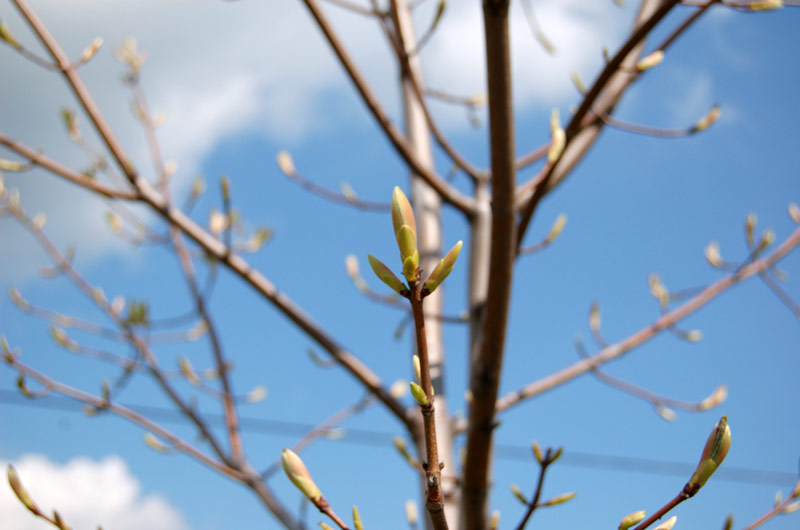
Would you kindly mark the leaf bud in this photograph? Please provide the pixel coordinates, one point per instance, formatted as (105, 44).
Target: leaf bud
(717, 446)
(558, 138)
(794, 212)
(357, 524)
(296, 471)
(515, 491)
(256, 395)
(666, 413)
(668, 524)
(632, 519)
(765, 5)
(713, 255)
(651, 60)
(419, 394)
(557, 228)
(537, 451)
(151, 440)
(494, 522)
(325, 526)
(577, 81)
(708, 120)
(443, 268)
(19, 490)
(385, 275)
(91, 49)
(412, 514)
(402, 214)
(719, 395)
(560, 499)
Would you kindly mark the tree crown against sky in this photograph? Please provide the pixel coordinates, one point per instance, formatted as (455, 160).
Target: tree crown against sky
(636, 205)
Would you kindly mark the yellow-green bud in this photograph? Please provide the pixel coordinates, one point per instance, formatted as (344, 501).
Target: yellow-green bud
(417, 368)
(557, 228)
(19, 490)
(708, 120)
(188, 371)
(651, 60)
(419, 394)
(325, 526)
(518, 494)
(386, 275)
(794, 212)
(357, 524)
(443, 268)
(285, 163)
(578, 82)
(632, 519)
(765, 5)
(494, 523)
(537, 451)
(410, 266)
(717, 446)
(791, 507)
(728, 523)
(296, 471)
(402, 214)
(151, 440)
(559, 499)
(558, 138)
(594, 317)
(256, 395)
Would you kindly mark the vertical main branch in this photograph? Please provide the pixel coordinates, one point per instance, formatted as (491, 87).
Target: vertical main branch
(434, 499)
(427, 205)
(485, 368)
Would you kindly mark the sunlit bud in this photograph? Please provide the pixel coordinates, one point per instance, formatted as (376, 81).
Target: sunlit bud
(59, 522)
(60, 336)
(767, 238)
(325, 526)
(750, 226)
(256, 395)
(11, 165)
(468, 396)
(419, 394)
(792, 507)
(296, 471)
(6, 35)
(557, 228)
(217, 222)
(717, 445)
(357, 524)
(401, 447)
(188, 371)
(594, 317)
(23, 387)
(352, 268)
(410, 266)
(649, 61)
(559, 499)
(8, 355)
(632, 519)
(537, 451)
(668, 524)
(518, 494)
(197, 331)
(399, 389)
(114, 222)
(336, 433)
(778, 497)
(719, 395)
(477, 100)
(765, 5)
(257, 240)
(385, 275)
(794, 212)
(402, 214)
(708, 120)
(494, 522)
(348, 192)
(91, 49)
(578, 82)
(154, 443)
(158, 120)
(19, 490)
(407, 242)
(657, 289)
(443, 268)
(666, 413)
(16, 297)
(412, 514)
(286, 163)
(118, 305)
(694, 335)
(713, 255)
(558, 138)
(417, 369)
(555, 456)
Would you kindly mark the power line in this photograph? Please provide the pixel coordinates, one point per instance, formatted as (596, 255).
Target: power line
(383, 439)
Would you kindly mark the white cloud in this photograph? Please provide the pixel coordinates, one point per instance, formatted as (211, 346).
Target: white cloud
(223, 68)
(86, 493)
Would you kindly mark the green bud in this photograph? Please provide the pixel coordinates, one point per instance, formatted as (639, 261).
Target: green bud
(518, 494)
(537, 451)
(494, 523)
(443, 268)
(558, 137)
(406, 241)
(668, 524)
(188, 371)
(325, 526)
(717, 445)
(559, 499)
(419, 394)
(410, 266)
(765, 5)
(654, 59)
(557, 228)
(20, 491)
(708, 120)
(357, 524)
(296, 471)
(385, 275)
(402, 214)
(151, 440)
(578, 82)
(632, 519)
(728, 524)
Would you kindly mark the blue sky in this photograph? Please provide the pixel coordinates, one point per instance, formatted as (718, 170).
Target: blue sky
(241, 81)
